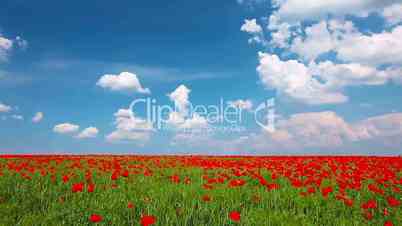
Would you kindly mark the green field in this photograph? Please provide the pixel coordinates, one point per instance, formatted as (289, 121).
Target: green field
(195, 191)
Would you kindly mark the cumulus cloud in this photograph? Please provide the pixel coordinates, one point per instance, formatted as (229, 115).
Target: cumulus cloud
(66, 128)
(90, 132)
(379, 48)
(306, 131)
(293, 79)
(187, 128)
(251, 26)
(343, 38)
(324, 51)
(295, 10)
(4, 108)
(180, 118)
(180, 97)
(241, 104)
(130, 128)
(280, 32)
(37, 117)
(389, 125)
(393, 14)
(125, 81)
(318, 40)
(320, 83)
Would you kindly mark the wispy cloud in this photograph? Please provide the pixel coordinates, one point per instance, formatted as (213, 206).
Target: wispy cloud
(150, 73)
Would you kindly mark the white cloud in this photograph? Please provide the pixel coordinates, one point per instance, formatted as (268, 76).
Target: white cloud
(195, 122)
(336, 76)
(37, 117)
(5, 48)
(305, 131)
(389, 125)
(318, 40)
(241, 104)
(89, 132)
(280, 32)
(296, 10)
(4, 108)
(321, 83)
(130, 128)
(251, 26)
(340, 36)
(17, 117)
(380, 48)
(293, 79)
(317, 129)
(125, 81)
(393, 14)
(66, 128)
(180, 118)
(180, 98)
(187, 128)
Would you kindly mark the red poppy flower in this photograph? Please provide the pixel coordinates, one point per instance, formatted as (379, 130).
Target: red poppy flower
(388, 223)
(78, 187)
(95, 218)
(237, 183)
(234, 216)
(114, 176)
(125, 173)
(147, 220)
(175, 179)
(91, 188)
(325, 191)
(130, 205)
(393, 202)
(65, 179)
(371, 204)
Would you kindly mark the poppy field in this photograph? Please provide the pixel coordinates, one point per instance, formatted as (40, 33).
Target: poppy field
(200, 190)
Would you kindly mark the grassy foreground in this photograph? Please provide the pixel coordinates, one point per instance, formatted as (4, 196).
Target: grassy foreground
(199, 191)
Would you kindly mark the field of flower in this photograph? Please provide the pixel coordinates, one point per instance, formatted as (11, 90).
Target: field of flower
(200, 190)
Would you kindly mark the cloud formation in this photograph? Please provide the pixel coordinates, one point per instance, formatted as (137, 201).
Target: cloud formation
(90, 132)
(295, 10)
(251, 26)
(323, 56)
(4, 108)
(325, 130)
(125, 81)
(130, 128)
(66, 128)
(241, 104)
(180, 118)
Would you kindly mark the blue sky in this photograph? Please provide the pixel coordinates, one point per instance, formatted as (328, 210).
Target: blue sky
(61, 50)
